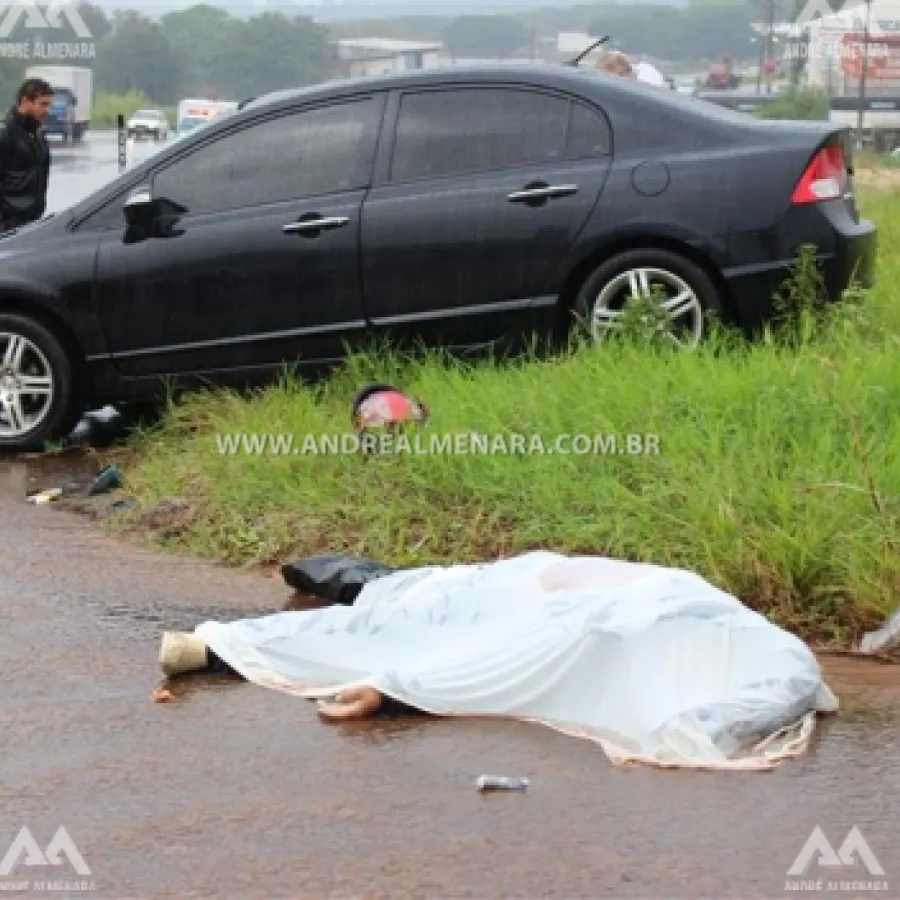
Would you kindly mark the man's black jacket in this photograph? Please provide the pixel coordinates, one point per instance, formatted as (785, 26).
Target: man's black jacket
(24, 170)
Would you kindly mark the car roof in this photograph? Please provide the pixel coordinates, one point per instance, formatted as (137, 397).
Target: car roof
(546, 74)
(589, 83)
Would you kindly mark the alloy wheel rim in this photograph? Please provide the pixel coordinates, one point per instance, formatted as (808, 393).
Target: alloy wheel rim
(674, 296)
(26, 385)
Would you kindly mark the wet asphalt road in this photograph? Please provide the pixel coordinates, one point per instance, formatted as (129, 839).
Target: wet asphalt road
(235, 791)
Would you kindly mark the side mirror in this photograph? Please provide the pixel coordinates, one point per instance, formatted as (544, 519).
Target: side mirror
(139, 208)
(74, 99)
(148, 216)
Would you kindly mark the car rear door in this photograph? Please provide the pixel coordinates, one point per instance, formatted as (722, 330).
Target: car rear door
(479, 192)
(262, 268)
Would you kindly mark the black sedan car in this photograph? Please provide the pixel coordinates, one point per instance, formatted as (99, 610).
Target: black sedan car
(454, 206)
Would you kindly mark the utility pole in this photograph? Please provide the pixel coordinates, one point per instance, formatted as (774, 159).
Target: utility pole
(862, 74)
(799, 46)
(764, 48)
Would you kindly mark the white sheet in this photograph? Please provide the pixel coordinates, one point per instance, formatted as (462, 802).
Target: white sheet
(655, 664)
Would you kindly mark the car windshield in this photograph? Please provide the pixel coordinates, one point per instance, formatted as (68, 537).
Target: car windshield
(146, 114)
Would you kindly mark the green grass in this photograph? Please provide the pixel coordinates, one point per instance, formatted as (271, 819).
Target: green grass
(777, 477)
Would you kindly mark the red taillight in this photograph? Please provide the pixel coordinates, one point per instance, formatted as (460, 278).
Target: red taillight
(824, 179)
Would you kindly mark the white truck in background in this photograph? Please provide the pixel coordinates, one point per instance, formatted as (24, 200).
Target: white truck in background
(73, 99)
(197, 112)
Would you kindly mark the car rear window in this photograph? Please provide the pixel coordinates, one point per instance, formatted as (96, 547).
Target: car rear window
(588, 135)
(464, 130)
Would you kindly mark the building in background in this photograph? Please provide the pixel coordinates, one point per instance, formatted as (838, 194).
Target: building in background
(836, 49)
(358, 57)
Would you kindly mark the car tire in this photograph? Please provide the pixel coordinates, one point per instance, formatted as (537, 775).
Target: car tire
(606, 290)
(43, 355)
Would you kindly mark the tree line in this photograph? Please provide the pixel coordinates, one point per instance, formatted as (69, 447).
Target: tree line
(203, 51)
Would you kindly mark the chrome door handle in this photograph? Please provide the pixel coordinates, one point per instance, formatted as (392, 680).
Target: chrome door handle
(309, 226)
(543, 193)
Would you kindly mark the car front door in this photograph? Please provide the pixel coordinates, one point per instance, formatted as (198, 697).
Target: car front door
(262, 266)
(475, 204)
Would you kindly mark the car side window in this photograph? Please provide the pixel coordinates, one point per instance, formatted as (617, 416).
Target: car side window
(110, 217)
(466, 130)
(301, 154)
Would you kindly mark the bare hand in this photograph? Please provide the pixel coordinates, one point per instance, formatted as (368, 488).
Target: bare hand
(354, 703)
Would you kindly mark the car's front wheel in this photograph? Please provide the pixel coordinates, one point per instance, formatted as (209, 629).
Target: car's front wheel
(37, 391)
(682, 292)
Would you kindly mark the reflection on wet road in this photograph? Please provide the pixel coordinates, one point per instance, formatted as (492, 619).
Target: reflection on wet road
(77, 170)
(235, 791)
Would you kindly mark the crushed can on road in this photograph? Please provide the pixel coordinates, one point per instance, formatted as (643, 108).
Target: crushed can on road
(502, 783)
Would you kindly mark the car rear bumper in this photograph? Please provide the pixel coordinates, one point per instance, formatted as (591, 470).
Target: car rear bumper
(845, 247)
(142, 131)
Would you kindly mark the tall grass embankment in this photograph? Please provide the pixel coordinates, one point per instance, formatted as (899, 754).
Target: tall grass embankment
(777, 476)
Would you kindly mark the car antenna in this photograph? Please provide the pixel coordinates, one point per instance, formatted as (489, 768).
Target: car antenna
(574, 63)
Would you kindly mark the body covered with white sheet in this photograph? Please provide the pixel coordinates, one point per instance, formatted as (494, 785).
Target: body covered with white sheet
(656, 664)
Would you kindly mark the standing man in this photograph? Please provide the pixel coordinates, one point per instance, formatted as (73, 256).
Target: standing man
(25, 156)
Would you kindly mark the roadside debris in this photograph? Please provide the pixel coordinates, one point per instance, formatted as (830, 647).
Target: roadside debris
(383, 405)
(654, 664)
(162, 695)
(882, 639)
(125, 503)
(333, 577)
(98, 427)
(501, 783)
(108, 479)
(39, 497)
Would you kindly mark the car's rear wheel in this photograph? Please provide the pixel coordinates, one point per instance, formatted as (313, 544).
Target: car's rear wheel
(37, 393)
(682, 290)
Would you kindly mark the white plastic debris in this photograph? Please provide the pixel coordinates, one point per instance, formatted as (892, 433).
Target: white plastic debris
(656, 665)
(45, 496)
(882, 639)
